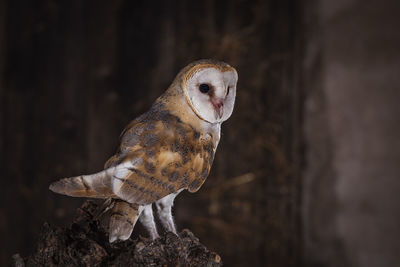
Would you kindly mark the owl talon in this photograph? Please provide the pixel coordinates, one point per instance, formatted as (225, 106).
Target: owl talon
(154, 236)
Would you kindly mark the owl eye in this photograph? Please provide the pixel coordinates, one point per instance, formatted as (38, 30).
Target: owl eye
(204, 88)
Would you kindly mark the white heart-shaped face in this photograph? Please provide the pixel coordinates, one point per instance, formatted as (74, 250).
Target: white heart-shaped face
(211, 93)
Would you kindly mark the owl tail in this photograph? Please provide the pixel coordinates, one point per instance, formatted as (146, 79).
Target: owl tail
(122, 220)
(96, 185)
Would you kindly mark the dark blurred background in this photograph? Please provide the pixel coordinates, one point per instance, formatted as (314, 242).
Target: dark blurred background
(308, 169)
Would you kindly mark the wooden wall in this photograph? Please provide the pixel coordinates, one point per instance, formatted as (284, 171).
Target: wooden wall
(73, 73)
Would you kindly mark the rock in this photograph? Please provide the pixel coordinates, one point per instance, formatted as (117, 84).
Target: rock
(85, 243)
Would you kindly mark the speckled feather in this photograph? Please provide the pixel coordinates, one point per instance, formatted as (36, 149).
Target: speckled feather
(167, 155)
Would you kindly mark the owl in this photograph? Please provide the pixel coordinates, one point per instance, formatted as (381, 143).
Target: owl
(168, 149)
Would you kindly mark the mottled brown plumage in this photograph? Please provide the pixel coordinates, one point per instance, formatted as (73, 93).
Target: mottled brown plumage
(168, 155)
(167, 149)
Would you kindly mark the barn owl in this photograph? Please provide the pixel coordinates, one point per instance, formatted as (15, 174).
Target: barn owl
(162, 152)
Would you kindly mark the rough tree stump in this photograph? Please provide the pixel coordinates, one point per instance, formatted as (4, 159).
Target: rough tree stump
(85, 243)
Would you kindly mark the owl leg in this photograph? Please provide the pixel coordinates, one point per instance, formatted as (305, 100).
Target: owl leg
(164, 211)
(147, 219)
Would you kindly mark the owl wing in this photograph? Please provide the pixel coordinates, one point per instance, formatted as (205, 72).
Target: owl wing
(157, 156)
(160, 157)
(126, 142)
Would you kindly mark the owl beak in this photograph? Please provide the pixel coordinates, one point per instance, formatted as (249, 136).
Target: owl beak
(218, 107)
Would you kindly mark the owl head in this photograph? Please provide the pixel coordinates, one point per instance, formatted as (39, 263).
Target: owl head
(209, 87)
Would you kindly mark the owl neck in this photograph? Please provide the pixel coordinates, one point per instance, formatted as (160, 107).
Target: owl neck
(175, 102)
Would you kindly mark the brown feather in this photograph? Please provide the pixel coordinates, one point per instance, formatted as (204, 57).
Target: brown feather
(122, 220)
(174, 156)
(95, 186)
